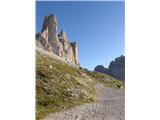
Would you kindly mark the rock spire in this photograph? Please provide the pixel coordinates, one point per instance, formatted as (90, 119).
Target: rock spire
(48, 39)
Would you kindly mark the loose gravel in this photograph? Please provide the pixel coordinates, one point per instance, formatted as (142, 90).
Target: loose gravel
(109, 106)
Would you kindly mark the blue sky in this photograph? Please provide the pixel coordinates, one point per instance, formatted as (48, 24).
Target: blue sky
(97, 27)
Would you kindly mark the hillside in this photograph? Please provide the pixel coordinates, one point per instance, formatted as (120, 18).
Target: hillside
(60, 86)
(109, 106)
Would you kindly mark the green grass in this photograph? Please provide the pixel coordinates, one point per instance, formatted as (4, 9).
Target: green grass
(59, 86)
(98, 75)
(112, 83)
(105, 79)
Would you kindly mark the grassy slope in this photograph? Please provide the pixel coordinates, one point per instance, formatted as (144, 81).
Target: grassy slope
(59, 86)
(106, 79)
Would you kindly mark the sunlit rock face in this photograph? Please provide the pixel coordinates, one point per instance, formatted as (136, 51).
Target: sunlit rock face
(58, 44)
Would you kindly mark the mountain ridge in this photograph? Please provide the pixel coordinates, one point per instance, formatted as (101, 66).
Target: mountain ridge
(116, 68)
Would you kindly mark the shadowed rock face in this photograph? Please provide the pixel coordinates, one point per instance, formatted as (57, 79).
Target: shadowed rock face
(75, 51)
(116, 68)
(101, 68)
(59, 44)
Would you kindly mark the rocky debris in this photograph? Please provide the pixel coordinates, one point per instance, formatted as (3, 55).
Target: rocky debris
(59, 44)
(109, 106)
(44, 53)
(50, 67)
(116, 68)
(83, 74)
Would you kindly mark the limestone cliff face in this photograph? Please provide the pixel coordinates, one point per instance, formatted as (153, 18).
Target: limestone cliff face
(75, 51)
(59, 44)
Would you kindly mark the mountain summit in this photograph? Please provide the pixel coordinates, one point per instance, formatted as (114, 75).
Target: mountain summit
(58, 44)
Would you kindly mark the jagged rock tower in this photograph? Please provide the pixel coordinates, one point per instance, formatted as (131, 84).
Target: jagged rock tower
(48, 40)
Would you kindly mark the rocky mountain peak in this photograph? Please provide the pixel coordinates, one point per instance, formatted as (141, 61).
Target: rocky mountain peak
(49, 22)
(62, 34)
(101, 68)
(75, 51)
(116, 68)
(58, 44)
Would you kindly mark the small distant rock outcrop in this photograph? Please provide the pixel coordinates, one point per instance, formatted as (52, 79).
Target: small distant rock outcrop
(101, 68)
(59, 44)
(116, 68)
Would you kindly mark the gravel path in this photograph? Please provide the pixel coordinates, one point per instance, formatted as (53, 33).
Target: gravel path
(109, 106)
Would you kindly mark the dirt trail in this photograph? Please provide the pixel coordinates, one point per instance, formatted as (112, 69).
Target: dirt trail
(109, 106)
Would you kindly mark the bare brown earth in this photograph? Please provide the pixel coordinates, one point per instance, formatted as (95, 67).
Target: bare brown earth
(109, 106)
